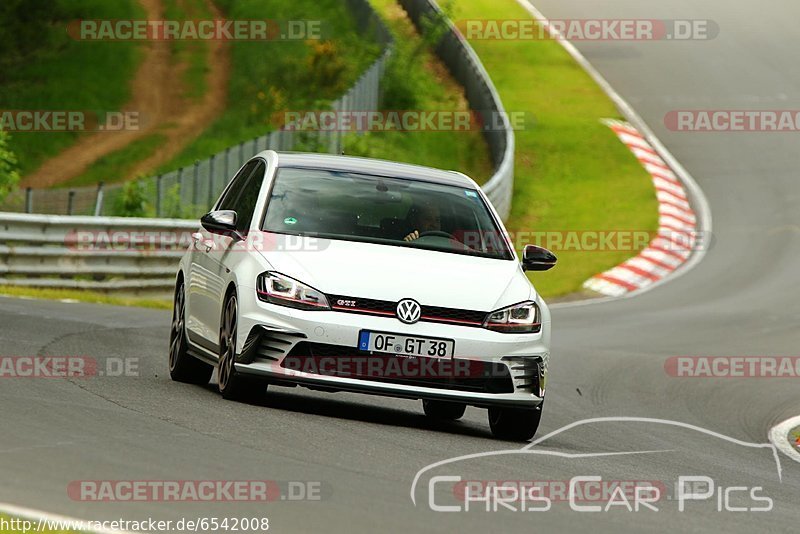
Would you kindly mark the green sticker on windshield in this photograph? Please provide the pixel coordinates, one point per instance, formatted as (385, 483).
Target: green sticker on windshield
(471, 194)
(290, 220)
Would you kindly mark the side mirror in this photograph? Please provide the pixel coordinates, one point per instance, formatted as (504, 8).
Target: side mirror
(222, 222)
(537, 258)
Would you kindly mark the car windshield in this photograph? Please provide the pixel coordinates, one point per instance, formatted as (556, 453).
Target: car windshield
(389, 211)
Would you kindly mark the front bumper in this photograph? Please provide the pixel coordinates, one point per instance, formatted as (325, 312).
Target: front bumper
(511, 368)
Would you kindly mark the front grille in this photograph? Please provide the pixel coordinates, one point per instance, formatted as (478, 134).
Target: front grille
(348, 362)
(433, 314)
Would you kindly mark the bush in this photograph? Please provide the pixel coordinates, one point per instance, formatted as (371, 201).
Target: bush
(9, 173)
(404, 81)
(133, 200)
(325, 69)
(172, 207)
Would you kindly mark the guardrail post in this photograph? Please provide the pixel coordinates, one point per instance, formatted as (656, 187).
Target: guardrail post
(227, 171)
(28, 200)
(180, 184)
(211, 179)
(70, 202)
(158, 194)
(98, 205)
(196, 180)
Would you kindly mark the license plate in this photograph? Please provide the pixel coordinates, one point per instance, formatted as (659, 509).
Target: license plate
(428, 347)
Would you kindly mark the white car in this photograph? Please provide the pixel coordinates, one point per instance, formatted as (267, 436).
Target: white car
(349, 274)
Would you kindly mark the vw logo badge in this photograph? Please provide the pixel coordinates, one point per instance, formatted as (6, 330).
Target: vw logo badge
(408, 311)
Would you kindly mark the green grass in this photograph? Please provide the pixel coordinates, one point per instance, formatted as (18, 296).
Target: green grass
(191, 56)
(268, 77)
(572, 173)
(420, 87)
(114, 166)
(81, 295)
(794, 437)
(190, 53)
(66, 74)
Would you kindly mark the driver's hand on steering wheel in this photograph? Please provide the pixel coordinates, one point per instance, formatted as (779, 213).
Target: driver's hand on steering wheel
(412, 236)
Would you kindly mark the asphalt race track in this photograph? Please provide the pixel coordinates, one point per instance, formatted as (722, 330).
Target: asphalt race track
(741, 300)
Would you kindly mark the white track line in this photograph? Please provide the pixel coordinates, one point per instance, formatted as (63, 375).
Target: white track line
(699, 200)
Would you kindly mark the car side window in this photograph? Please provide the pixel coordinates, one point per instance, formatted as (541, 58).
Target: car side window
(246, 203)
(228, 202)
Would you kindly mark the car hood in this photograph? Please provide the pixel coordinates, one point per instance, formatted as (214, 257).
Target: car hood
(387, 272)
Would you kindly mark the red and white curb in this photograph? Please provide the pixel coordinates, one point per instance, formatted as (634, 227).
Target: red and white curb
(677, 224)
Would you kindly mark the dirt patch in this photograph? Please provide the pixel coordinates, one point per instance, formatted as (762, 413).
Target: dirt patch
(159, 97)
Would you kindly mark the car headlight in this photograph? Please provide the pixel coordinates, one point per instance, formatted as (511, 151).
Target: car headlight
(279, 289)
(522, 317)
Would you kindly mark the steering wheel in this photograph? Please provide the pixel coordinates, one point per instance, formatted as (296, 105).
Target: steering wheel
(439, 233)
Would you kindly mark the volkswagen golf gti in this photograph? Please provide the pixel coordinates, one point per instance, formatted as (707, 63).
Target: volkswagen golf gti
(349, 274)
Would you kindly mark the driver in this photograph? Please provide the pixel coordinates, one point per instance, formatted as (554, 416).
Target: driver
(423, 218)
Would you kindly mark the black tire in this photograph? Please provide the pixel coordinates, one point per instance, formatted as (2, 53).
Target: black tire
(444, 410)
(232, 384)
(182, 366)
(515, 424)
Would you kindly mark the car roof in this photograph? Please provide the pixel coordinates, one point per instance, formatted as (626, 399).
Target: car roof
(377, 167)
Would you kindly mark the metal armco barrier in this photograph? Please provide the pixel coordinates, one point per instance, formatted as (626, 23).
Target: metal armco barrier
(463, 63)
(86, 252)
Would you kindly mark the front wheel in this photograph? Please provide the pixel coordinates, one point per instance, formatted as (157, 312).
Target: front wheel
(515, 424)
(443, 410)
(182, 366)
(232, 384)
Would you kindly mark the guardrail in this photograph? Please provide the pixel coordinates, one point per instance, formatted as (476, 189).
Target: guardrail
(190, 191)
(127, 253)
(86, 252)
(463, 63)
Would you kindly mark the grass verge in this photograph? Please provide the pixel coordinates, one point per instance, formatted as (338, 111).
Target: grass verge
(66, 74)
(269, 77)
(572, 173)
(416, 80)
(189, 58)
(114, 166)
(81, 295)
